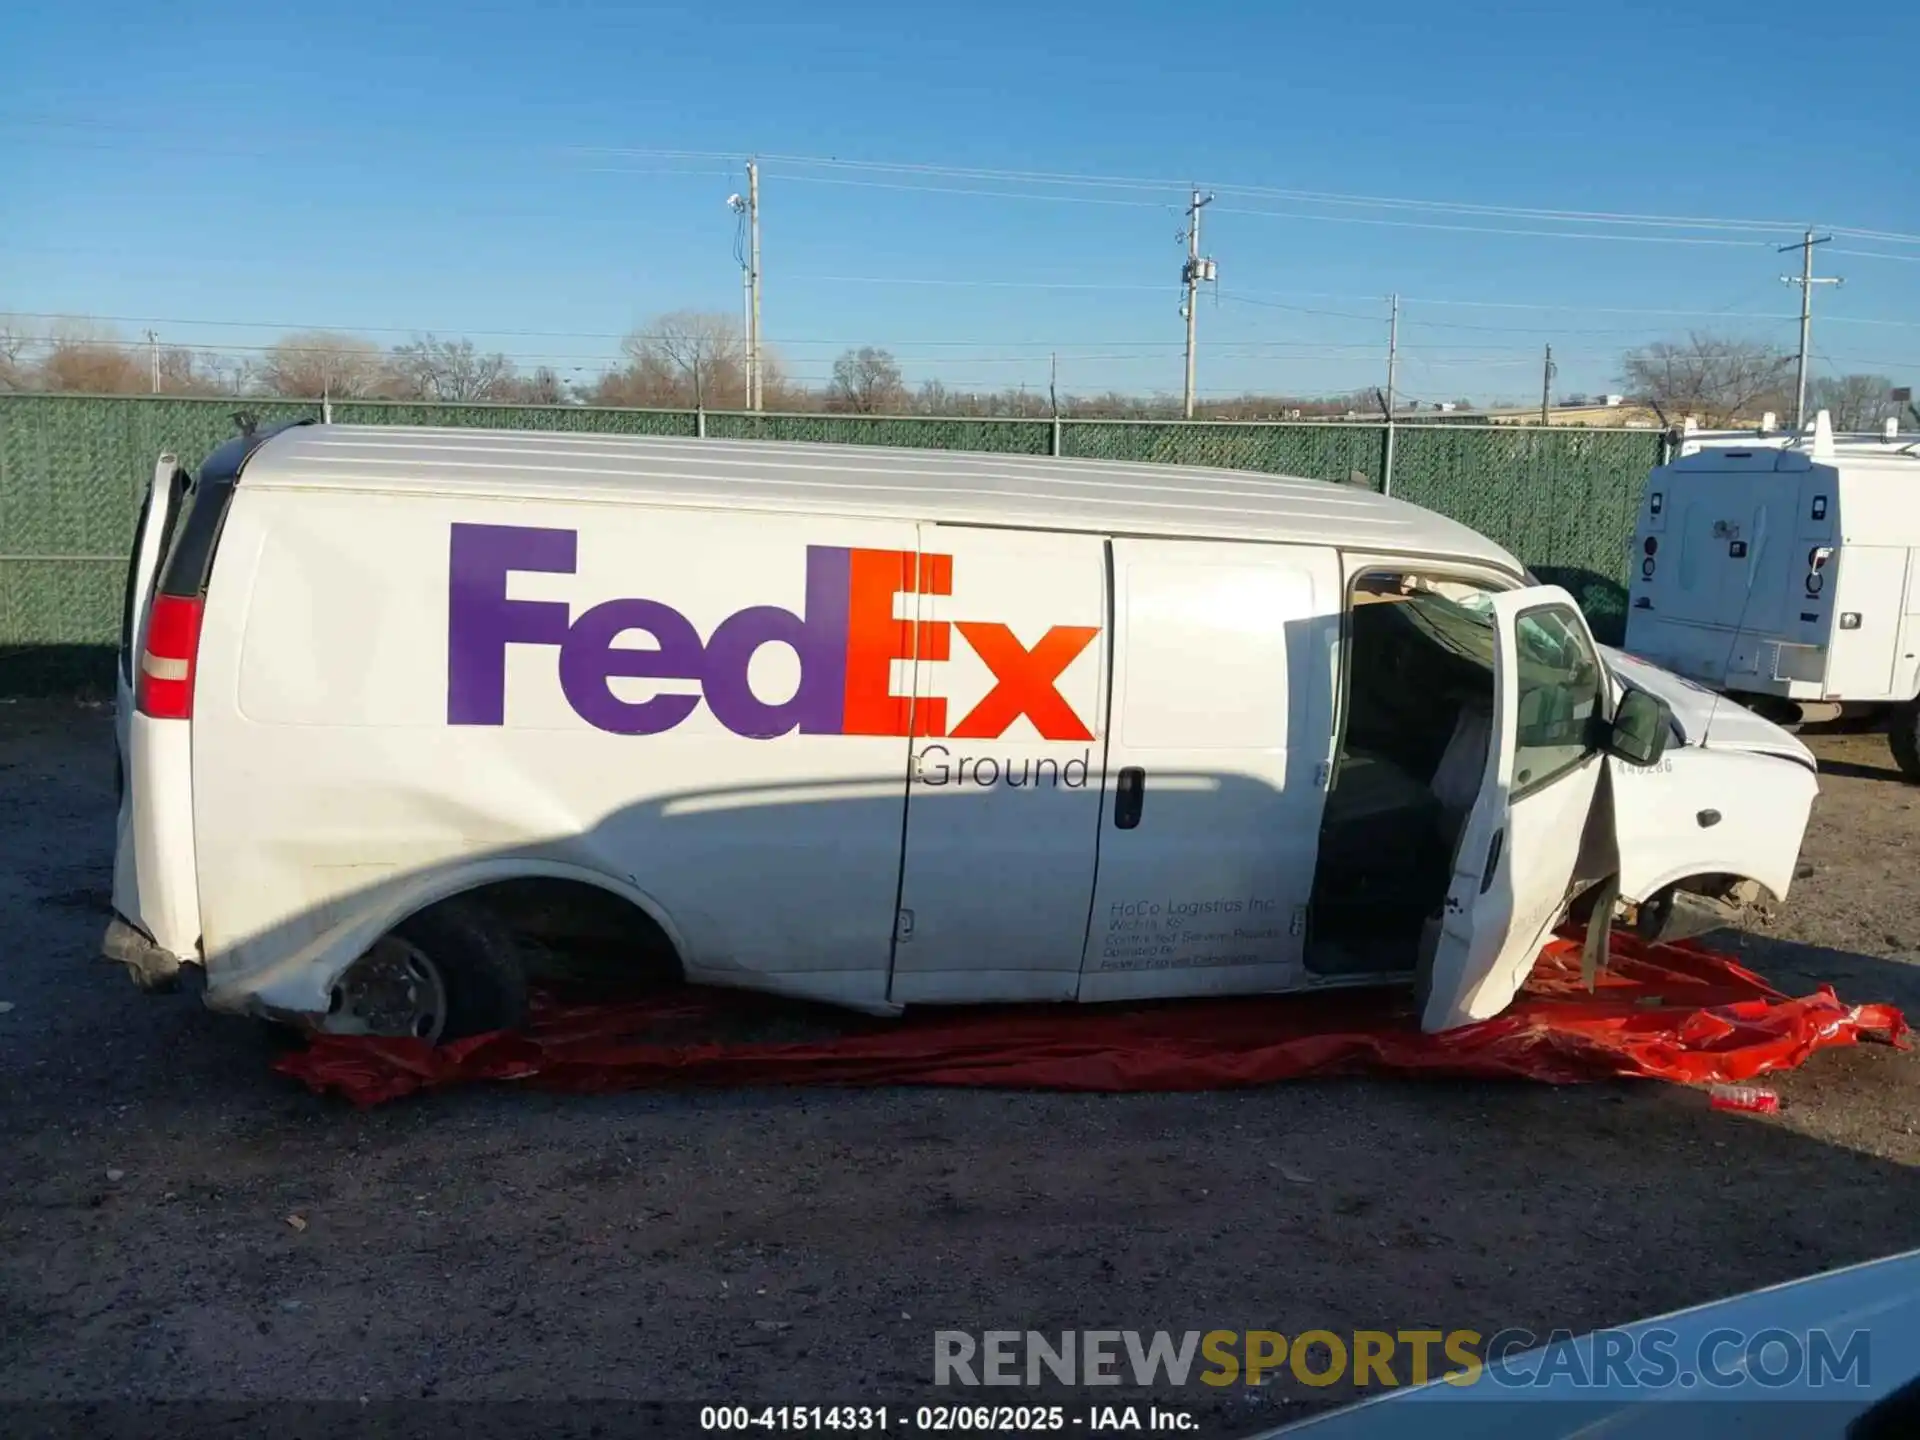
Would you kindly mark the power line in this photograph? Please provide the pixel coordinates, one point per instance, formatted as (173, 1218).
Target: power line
(1246, 297)
(1910, 363)
(1859, 320)
(1898, 237)
(975, 284)
(1491, 329)
(1496, 230)
(1079, 180)
(1586, 309)
(1520, 212)
(1075, 179)
(1056, 198)
(788, 179)
(1566, 330)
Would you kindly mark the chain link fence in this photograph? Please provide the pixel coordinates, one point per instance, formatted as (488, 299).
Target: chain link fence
(1318, 452)
(999, 437)
(509, 417)
(1563, 500)
(73, 469)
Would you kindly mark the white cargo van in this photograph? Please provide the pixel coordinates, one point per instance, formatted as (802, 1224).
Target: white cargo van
(875, 727)
(1780, 570)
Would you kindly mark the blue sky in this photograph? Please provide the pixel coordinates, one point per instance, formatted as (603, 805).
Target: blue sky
(494, 169)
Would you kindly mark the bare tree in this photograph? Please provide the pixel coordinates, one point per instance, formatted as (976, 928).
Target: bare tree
(15, 338)
(310, 364)
(539, 387)
(867, 382)
(183, 372)
(1853, 402)
(777, 391)
(1117, 405)
(1717, 379)
(83, 359)
(624, 387)
(936, 397)
(686, 358)
(450, 371)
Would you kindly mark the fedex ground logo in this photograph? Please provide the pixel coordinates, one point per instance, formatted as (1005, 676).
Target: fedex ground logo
(846, 639)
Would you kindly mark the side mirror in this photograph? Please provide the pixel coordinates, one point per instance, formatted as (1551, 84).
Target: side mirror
(1642, 726)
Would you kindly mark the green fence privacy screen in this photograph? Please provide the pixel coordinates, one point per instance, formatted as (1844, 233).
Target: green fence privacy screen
(73, 469)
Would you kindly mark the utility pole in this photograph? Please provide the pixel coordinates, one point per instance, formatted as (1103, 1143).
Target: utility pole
(153, 359)
(1547, 372)
(746, 251)
(1806, 280)
(756, 396)
(746, 316)
(1197, 270)
(1053, 397)
(1393, 360)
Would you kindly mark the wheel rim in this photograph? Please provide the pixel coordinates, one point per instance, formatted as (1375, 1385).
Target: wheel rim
(393, 991)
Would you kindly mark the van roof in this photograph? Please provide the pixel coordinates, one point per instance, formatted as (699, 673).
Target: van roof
(1891, 458)
(950, 486)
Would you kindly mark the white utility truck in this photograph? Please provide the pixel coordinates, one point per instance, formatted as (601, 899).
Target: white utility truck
(1784, 571)
(877, 727)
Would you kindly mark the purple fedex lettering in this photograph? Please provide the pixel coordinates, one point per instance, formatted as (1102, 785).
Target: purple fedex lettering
(482, 622)
(820, 640)
(589, 658)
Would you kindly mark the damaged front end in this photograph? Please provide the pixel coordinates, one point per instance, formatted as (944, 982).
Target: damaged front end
(1695, 907)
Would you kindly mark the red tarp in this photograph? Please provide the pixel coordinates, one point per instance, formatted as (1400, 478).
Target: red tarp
(1671, 1012)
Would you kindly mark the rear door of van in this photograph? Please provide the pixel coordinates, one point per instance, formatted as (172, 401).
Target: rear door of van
(156, 880)
(154, 876)
(159, 507)
(1712, 573)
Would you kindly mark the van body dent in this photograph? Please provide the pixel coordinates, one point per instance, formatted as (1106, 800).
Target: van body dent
(1781, 570)
(880, 728)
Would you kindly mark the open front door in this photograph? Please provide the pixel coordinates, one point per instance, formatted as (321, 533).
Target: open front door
(1520, 850)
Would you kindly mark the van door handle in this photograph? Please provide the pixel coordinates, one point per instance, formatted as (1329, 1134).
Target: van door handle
(1129, 794)
(1493, 860)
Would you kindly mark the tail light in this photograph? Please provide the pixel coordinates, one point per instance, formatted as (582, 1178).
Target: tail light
(165, 690)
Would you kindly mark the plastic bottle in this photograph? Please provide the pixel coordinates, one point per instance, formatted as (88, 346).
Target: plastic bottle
(1748, 1099)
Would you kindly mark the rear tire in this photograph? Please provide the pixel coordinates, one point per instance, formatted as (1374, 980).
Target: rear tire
(451, 971)
(1903, 738)
(480, 962)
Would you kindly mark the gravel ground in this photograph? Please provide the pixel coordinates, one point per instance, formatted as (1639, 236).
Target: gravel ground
(802, 1247)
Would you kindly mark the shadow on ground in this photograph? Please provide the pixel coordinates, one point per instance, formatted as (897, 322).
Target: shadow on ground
(805, 1245)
